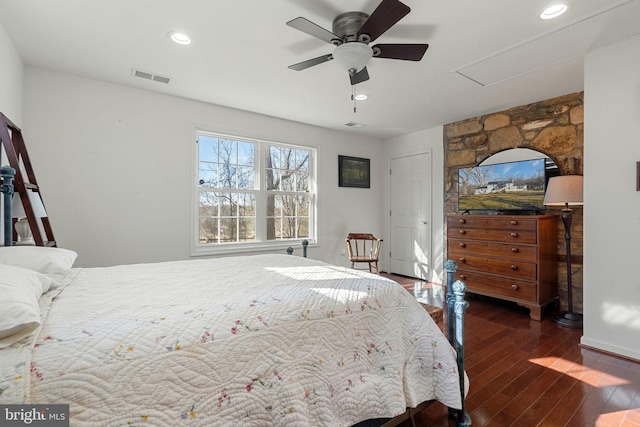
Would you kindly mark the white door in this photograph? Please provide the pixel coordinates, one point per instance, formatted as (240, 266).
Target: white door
(410, 245)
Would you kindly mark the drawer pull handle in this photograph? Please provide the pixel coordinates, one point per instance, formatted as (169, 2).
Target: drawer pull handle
(515, 250)
(463, 232)
(514, 222)
(463, 245)
(514, 287)
(514, 267)
(514, 235)
(463, 260)
(462, 277)
(462, 221)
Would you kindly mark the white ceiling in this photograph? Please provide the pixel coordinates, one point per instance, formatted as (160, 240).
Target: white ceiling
(484, 55)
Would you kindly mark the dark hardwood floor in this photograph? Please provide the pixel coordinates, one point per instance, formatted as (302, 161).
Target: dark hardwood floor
(528, 373)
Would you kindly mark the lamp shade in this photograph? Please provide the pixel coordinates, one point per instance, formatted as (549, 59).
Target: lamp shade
(565, 190)
(352, 56)
(36, 205)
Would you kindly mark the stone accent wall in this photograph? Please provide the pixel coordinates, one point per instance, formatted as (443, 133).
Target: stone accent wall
(554, 127)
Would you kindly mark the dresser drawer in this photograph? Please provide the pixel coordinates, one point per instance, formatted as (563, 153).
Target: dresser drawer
(504, 287)
(522, 236)
(498, 222)
(462, 247)
(517, 269)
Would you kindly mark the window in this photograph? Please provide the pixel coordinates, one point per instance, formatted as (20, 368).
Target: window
(252, 193)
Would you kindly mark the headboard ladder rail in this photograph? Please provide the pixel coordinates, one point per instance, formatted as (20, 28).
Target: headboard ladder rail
(16, 151)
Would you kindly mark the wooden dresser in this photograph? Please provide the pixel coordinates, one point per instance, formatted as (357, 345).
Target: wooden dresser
(507, 257)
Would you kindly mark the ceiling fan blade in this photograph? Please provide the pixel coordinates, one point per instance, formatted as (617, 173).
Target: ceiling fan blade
(312, 29)
(310, 62)
(384, 17)
(359, 77)
(407, 52)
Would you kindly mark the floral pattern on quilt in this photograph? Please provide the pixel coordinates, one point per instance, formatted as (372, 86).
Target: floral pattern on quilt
(260, 340)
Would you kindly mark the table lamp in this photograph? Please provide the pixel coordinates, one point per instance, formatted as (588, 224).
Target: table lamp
(25, 237)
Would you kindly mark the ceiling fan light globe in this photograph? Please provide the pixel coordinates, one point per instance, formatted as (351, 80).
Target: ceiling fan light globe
(352, 56)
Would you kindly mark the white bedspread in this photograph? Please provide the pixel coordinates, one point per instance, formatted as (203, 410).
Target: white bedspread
(258, 341)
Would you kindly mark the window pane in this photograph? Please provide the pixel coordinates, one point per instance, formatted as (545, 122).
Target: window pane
(208, 148)
(246, 155)
(304, 201)
(208, 174)
(302, 160)
(246, 204)
(288, 206)
(228, 229)
(247, 230)
(208, 204)
(302, 183)
(274, 157)
(246, 178)
(277, 224)
(273, 179)
(208, 230)
(287, 182)
(274, 205)
(228, 204)
(228, 151)
(303, 227)
(288, 228)
(227, 176)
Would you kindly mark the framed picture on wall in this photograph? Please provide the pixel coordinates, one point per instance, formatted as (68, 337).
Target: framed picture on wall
(354, 172)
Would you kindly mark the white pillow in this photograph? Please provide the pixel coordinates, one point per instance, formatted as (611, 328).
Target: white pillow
(42, 259)
(20, 290)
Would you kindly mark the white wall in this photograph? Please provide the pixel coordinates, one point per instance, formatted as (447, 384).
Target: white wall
(114, 167)
(431, 141)
(11, 82)
(611, 202)
(10, 95)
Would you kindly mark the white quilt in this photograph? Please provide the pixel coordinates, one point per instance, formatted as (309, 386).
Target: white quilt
(257, 341)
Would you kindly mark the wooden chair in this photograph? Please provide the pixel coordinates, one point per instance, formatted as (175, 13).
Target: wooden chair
(364, 247)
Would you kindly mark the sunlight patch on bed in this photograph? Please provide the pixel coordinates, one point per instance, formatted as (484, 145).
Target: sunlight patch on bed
(314, 273)
(592, 377)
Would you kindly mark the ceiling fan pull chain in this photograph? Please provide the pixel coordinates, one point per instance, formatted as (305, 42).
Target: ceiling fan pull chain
(353, 97)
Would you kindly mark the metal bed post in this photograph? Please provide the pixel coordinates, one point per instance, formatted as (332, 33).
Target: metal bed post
(6, 188)
(460, 305)
(450, 267)
(305, 243)
(455, 327)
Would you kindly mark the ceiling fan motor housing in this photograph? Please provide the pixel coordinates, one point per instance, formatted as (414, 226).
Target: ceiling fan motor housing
(346, 26)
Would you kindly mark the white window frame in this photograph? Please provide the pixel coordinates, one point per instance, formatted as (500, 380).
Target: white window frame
(261, 244)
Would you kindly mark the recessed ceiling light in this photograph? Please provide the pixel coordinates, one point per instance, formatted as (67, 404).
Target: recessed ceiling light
(361, 96)
(554, 11)
(180, 38)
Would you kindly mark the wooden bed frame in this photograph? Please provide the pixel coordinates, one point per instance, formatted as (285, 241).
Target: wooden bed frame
(454, 319)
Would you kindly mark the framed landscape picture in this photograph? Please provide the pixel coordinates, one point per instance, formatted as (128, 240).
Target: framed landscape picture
(354, 172)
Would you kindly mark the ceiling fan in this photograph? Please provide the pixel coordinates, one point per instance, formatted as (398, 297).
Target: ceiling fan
(351, 34)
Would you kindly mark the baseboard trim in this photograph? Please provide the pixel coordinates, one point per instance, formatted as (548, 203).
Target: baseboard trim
(589, 345)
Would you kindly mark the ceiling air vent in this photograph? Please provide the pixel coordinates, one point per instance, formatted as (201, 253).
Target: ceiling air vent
(150, 76)
(354, 125)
